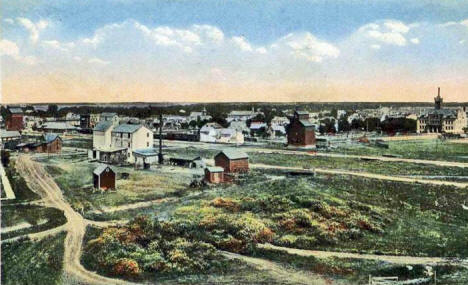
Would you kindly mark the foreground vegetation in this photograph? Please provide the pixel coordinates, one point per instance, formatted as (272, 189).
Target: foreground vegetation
(28, 262)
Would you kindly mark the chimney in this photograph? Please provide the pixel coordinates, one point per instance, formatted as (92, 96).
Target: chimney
(438, 91)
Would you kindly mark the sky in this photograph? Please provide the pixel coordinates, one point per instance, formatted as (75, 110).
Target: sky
(233, 51)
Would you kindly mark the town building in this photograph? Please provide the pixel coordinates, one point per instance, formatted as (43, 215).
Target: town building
(145, 157)
(131, 137)
(242, 115)
(52, 143)
(85, 121)
(301, 132)
(104, 177)
(14, 119)
(58, 127)
(214, 174)
(10, 139)
(199, 116)
(232, 161)
(440, 120)
(102, 144)
(113, 117)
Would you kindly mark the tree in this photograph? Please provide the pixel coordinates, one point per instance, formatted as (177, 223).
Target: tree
(52, 110)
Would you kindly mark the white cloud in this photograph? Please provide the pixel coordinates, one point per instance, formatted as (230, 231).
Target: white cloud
(375, 46)
(389, 32)
(54, 44)
(307, 46)
(11, 49)
(33, 28)
(242, 43)
(414, 41)
(9, 21)
(98, 61)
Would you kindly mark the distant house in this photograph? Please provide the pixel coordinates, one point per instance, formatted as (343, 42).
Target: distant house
(10, 139)
(301, 132)
(14, 119)
(104, 177)
(145, 157)
(58, 127)
(232, 161)
(239, 126)
(230, 136)
(214, 174)
(202, 116)
(282, 121)
(241, 115)
(52, 143)
(113, 117)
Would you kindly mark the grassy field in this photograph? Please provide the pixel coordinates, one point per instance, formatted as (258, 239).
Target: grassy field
(79, 143)
(27, 262)
(74, 176)
(419, 149)
(25, 219)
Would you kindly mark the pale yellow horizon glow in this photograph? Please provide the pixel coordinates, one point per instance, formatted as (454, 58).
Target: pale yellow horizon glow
(57, 88)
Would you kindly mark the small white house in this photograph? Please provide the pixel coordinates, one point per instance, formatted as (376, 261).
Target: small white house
(132, 137)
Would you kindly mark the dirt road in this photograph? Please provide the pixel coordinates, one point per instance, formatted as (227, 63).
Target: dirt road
(42, 183)
(286, 276)
(403, 260)
(364, 174)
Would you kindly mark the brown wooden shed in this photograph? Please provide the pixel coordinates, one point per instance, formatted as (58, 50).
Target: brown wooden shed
(301, 132)
(214, 174)
(104, 177)
(232, 161)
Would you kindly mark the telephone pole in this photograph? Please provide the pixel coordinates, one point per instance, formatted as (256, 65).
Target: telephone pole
(160, 154)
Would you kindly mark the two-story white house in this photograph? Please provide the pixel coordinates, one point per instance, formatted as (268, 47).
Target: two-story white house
(131, 137)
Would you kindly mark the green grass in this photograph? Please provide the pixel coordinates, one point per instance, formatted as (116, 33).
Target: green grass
(79, 143)
(39, 218)
(75, 178)
(419, 149)
(28, 262)
(19, 186)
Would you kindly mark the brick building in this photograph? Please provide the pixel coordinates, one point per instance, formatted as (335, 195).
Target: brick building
(14, 119)
(214, 174)
(301, 132)
(232, 161)
(104, 177)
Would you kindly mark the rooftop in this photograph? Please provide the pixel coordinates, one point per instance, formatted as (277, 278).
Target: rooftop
(126, 128)
(215, 169)
(234, 154)
(101, 168)
(9, 134)
(50, 137)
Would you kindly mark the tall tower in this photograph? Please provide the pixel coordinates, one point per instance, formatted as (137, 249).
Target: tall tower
(438, 100)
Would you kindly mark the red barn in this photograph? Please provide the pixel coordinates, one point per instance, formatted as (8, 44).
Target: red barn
(14, 119)
(52, 143)
(214, 174)
(301, 132)
(104, 177)
(232, 161)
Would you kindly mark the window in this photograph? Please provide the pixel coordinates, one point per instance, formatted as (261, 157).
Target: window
(147, 135)
(147, 144)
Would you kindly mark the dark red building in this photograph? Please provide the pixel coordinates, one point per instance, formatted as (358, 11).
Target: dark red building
(52, 143)
(301, 132)
(214, 174)
(104, 177)
(232, 161)
(14, 119)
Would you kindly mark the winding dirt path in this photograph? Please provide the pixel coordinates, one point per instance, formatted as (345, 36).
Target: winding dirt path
(42, 183)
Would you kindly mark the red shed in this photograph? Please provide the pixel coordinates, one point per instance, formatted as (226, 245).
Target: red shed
(14, 119)
(104, 177)
(52, 143)
(301, 132)
(232, 161)
(214, 174)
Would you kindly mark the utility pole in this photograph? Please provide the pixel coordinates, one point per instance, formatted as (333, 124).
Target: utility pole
(160, 155)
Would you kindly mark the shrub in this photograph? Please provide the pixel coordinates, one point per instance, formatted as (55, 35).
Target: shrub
(126, 267)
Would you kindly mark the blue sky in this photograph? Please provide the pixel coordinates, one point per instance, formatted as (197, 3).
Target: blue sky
(316, 50)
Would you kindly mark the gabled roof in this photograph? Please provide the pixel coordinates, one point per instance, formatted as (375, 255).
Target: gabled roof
(15, 110)
(103, 126)
(9, 134)
(50, 137)
(101, 168)
(126, 128)
(233, 154)
(146, 151)
(306, 123)
(58, 126)
(241, 113)
(215, 169)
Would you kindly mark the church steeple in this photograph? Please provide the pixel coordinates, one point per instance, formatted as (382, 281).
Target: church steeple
(438, 100)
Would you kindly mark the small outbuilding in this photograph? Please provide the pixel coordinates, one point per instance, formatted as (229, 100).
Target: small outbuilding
(52, 143)
(232, 161)
(104, 177)
(214, 174)
(190, 162)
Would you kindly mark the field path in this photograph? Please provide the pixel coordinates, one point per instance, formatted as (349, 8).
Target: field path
(279, 272)
(403, 260)
(6, 185)
(43, 184)
(362, 174)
